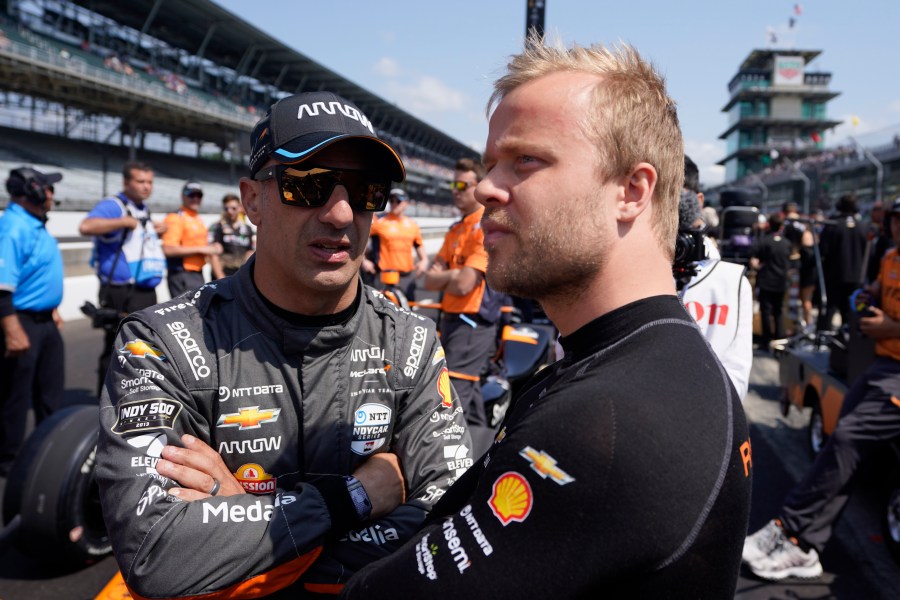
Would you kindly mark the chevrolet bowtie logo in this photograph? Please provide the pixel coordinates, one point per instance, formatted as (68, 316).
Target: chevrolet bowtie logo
(142, 349)
(545, 465)
(249, 418)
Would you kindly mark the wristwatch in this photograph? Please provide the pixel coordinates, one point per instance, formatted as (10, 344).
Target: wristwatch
(359, 497)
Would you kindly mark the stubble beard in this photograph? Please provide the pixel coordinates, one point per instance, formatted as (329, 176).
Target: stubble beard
(553, 261)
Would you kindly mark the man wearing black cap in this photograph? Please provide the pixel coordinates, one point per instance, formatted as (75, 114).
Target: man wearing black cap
(31, 288)
(270, 425)
(789, 545)
(185, 242)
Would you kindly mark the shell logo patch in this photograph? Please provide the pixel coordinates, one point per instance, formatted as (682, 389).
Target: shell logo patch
(511, 499)
(444, 388)
(254, 479)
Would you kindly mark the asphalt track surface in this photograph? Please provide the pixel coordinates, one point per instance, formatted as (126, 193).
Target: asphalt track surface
(857, 563)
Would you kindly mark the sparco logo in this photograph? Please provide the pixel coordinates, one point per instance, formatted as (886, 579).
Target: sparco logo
(348, 111)
(190, 348)
(415, 351)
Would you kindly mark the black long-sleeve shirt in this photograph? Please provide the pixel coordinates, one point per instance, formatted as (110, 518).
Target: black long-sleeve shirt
(623, 471)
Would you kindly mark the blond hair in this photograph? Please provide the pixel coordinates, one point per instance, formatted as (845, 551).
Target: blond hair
(633, 118)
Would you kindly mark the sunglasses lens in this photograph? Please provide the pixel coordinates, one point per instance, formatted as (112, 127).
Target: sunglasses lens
(375, 197)
(311, 188)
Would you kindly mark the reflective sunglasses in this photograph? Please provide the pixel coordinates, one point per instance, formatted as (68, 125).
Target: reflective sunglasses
(311, 187)
(461, 186)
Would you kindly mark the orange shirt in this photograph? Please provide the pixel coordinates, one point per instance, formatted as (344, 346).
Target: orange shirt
(464, 247)
(185, 228)
(889, 279)
(397, 237)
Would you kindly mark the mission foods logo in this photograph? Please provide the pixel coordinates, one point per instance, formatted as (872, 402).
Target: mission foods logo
(254, 479)
(511, 499)
(144, 415)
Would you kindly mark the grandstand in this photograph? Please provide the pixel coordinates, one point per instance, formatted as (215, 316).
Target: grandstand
(871, 171)
(86, 85)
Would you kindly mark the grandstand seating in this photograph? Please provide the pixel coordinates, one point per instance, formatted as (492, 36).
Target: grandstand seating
(92, 168)
(81, 164)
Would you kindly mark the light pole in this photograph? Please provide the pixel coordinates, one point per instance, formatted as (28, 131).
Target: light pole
(762, 185)
(806, 182)
(879, 168)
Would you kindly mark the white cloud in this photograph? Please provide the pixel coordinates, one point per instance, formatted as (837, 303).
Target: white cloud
(426, 95)
(387, 67)
(705, 155)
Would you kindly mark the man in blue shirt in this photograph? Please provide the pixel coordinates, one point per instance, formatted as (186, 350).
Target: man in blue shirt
(31, 289)
(128, 254)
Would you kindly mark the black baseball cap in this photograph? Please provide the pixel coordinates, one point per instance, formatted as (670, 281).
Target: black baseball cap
(192, 187)
(21, 178)
(299, 126)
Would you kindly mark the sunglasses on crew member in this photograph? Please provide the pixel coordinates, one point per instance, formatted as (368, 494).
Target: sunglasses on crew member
(460, 186)
(311, 187)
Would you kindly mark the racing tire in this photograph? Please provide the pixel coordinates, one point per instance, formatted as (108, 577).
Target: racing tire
(53, 488)
(892, 519)
(816, 430)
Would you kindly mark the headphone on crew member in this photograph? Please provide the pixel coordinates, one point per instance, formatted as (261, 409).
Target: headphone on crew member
(23, 182)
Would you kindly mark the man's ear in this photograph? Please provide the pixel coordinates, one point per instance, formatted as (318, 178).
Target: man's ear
(251, 199)
(637, 192)
(700, 199)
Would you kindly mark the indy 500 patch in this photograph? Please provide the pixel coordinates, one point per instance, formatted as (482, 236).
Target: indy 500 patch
(144, 415)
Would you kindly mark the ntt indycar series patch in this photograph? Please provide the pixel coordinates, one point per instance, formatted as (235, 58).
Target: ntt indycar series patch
(370, 428)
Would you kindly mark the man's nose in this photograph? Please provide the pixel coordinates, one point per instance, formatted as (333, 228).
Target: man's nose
(337, 211)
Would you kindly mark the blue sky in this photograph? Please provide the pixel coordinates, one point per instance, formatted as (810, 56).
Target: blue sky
(437, 60)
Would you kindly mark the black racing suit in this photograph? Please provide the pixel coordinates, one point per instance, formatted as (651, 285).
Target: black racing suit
(622, 471)
(290, 410)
